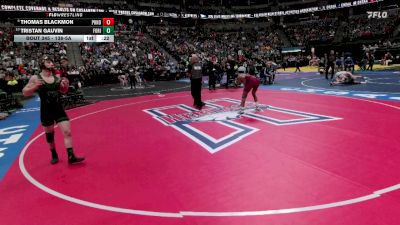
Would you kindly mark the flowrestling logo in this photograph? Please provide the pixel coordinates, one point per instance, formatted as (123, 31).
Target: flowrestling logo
(377, 15)
(224, 112)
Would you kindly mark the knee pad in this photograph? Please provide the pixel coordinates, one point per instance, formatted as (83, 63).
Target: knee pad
(50, 137)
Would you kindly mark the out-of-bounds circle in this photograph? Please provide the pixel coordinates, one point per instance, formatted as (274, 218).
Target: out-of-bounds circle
(145, 158)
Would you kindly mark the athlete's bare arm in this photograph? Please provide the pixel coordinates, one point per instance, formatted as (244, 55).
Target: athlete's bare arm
(33, 84)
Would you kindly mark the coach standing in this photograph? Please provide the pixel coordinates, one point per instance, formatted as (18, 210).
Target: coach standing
(195, 72)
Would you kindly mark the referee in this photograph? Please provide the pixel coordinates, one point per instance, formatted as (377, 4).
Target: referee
(195, 72)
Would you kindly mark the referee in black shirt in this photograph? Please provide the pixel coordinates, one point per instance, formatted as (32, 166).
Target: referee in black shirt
(195, 72)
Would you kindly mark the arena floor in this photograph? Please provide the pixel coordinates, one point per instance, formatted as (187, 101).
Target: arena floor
(315, 154)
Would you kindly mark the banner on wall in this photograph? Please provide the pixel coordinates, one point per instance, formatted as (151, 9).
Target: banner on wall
(188, 15)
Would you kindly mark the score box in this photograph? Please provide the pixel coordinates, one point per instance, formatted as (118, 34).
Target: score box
(108, 30)
(108, 21)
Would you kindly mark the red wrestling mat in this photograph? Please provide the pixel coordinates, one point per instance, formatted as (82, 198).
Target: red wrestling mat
(305, 159)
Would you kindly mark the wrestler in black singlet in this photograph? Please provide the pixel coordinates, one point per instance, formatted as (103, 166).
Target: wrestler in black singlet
(51, 108)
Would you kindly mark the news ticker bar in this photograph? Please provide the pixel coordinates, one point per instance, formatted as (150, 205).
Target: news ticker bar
(64, 22)
(13, 11)
(63, 38)
(61, 30)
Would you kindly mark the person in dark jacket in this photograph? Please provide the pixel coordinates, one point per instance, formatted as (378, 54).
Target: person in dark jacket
(195, 72)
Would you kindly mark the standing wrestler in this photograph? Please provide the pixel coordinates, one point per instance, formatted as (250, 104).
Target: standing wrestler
(49, 86)
(251, 83)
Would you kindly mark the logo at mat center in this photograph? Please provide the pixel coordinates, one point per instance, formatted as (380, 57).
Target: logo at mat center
(221, 116)
(223, 113)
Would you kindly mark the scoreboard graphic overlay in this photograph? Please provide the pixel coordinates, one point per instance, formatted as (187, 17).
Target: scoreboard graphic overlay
(64, 27)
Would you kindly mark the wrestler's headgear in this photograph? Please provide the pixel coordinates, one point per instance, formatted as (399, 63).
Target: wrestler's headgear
(242, 69)
(43, 60)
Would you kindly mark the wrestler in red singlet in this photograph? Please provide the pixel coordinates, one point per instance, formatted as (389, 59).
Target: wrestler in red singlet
(251, 83)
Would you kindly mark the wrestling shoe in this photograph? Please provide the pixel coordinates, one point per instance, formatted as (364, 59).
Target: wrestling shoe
(54, 157)
(72, 159)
